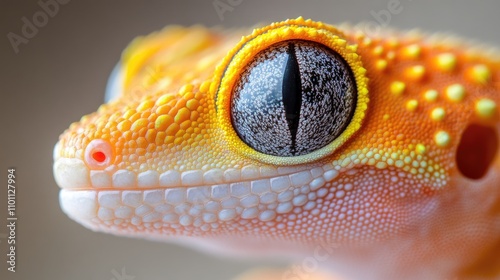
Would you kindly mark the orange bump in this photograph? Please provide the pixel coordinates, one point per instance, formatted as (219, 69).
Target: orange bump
(367, 41)
(138, 124)
(480, 74)
(192, 104)
(415, 73)
(397, 87)
(182, 115)
(442, 138)
(151, 135)
(431, 95)
(160, 137)
(446, 62)
(124, 125)
(164, 99)
(144, 105)
(412, 105)
(455, 92)
(438, 114)
(412, 51)
(163, 109)
(420, 149)
(485, 108)
(129, 113)
(141, 142)
(186, 89)
(172, 129)
(393, 42)
(378, 50)
(391, 55)
(381, 64)
(169, 139)
(163, 121)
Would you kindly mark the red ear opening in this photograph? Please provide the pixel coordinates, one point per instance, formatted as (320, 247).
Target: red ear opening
(98, 154)
(476, 151)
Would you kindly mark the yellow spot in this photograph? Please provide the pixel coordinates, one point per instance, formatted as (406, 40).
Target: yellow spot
(169, 139)
(124, 125)
(205, 86)
(151, 135)
(381, 64)
(442, 138)
(420, 149)
(385, 117)
(145, 105)
(138, 124)
(431, 95)
(411, 105)
(446, 61)
(172, 129)
(367, 41)
(391, 55)
(141, 142)
(455, 92)
(398, 87)
(486, 108)
(393, 42)
(192, 104)
(129, 113)
(163, 109)
(164, 99)
(160, 137)
(186, 124)
(353, 48)
(186, 89)
(182, 115)
(438, 114)
(163, 121)
(378, 50)
(480, 74)
(415, 72)
(412, 51)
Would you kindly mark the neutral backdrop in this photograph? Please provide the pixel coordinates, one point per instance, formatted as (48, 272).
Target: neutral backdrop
(60, 75)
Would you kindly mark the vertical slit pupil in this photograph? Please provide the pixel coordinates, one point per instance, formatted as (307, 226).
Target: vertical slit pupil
(292, 93)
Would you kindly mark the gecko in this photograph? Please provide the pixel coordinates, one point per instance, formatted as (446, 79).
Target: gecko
(378, 152)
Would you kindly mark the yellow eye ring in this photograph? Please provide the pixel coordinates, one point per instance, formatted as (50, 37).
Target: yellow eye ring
(230, 70)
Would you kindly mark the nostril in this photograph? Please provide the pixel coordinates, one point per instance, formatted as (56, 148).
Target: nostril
(477, 150)
(98, 154)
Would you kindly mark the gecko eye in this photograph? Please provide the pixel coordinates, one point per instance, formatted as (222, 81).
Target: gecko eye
(98, 154)
(293, 98)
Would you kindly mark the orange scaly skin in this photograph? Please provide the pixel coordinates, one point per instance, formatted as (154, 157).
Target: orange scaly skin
(163, 161)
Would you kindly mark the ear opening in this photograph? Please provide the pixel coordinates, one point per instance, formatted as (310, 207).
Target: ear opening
(477, 150)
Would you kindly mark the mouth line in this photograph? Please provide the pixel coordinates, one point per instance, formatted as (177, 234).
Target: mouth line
(73, 174)
(261, 198)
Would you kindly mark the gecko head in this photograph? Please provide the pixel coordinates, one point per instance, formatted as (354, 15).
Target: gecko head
(275, 139)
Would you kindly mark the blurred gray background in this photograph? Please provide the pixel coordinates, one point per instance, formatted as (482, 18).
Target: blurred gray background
(60, 75)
